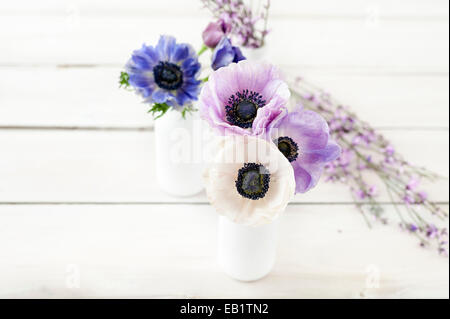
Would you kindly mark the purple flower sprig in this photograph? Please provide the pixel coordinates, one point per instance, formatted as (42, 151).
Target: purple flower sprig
(248, 26)
(365, 152)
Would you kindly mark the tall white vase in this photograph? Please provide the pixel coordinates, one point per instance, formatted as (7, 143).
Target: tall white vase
(246, 253)
(179, 167)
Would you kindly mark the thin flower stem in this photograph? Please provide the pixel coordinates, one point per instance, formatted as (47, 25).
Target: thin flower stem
(372, 153)
(394, 203)
(359, 207)
(202, 50)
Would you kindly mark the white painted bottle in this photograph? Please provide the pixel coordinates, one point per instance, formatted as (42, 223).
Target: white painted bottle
(259, 54)
(246, 253)
(179, 164)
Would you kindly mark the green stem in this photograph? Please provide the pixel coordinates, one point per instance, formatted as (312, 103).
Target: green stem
(202, 50)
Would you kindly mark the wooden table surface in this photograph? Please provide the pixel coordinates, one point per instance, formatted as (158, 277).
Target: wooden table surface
(80, 213)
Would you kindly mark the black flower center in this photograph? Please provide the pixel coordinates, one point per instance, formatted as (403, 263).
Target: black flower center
(288, 147)
(168, 75)
(246, 110)
(253, 181)
(242, 108)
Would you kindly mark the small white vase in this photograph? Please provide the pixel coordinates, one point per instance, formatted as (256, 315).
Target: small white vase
(259, 54)
(179, 167)
(246, 253)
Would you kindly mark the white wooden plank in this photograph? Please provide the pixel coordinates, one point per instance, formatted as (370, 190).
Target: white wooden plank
(279, 8)
(400, 45)
(102, 166)
(85, 97)
(156, 251)
(69, 97)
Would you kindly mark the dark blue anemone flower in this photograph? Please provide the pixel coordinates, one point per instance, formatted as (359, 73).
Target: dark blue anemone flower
(165, 73)
(225, 53)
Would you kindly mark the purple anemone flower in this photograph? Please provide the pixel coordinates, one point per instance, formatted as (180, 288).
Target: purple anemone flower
(304, 139)
(225, 53)
(165, 73)
(215, 31)
(243, 98)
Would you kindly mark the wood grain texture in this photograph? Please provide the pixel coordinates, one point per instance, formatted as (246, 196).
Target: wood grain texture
(90, 97)
(103, 166)
(109, 40)
(139, 251)
(77, 181)
(356, 9)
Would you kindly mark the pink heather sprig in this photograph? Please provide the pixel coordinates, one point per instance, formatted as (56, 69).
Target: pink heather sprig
(366, 152)
(249, 27)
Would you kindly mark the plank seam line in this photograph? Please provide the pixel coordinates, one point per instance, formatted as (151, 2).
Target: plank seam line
(150, 128)
(93, 203)
(74, 128)
(274, 16)
(368, 70)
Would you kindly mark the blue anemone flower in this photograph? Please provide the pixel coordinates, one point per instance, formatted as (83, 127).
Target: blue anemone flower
(165, 73)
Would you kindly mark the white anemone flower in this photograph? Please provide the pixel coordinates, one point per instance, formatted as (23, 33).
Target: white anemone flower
(250, 181)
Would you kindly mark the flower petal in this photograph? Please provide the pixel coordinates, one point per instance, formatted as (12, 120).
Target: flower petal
(166, 47)
(303, 179)
(160, 96)
(268, 116)
(329, 153)
(307, 128)
(140, 80)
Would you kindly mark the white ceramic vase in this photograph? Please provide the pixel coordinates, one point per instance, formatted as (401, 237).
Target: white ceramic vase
(259, 54)
(179, 167)
(246, 253)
